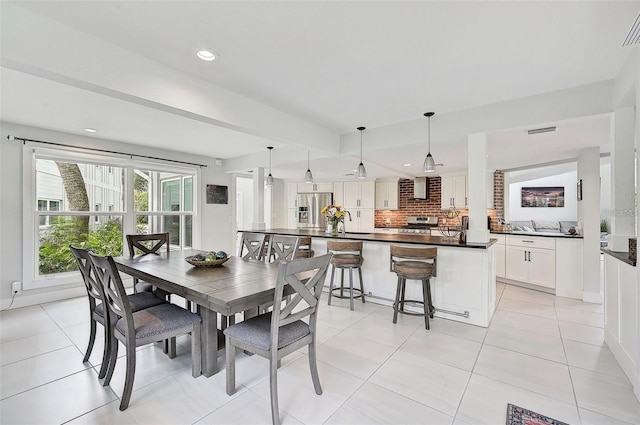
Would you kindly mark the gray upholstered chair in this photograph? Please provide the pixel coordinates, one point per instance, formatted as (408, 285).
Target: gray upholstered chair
(346, 255)
(281, 332)
(282, 247)
(413, 263)
(134, 329)
(96, 305)
(254, 243)
(146, 244)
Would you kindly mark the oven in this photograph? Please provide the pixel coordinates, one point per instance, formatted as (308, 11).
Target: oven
(421, 225)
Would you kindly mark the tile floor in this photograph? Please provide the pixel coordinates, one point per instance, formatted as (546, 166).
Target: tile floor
(541, 352)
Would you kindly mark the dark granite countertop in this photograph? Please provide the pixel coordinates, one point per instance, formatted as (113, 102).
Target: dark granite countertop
(378, 237)
(622, 256)
(541, 234)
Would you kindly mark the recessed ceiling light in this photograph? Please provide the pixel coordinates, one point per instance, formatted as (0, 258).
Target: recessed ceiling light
(90, 130)
(407, 165)
(355, 171)
(206, 55)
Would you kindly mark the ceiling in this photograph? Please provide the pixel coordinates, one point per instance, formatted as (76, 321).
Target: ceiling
(333, 65)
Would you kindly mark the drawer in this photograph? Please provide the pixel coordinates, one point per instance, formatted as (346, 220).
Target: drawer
(501, 238)
(531, 241)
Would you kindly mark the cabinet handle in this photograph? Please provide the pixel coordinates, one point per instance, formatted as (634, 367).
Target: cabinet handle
(529, 256)
(466, 201)
(524, 241)
(525, 255)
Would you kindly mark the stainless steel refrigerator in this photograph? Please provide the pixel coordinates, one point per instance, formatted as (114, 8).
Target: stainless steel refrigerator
(309, 206)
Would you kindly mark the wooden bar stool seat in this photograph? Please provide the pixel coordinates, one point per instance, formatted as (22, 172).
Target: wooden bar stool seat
(346, 255)
(413, 263)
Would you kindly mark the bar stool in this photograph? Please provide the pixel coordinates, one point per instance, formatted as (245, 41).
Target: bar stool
(346, 255)
(412, 263)
(304, 250)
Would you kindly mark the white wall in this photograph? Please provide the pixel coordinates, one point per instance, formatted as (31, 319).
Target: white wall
(605, 188)
(570, 210)
(216, 220)
(244, 189)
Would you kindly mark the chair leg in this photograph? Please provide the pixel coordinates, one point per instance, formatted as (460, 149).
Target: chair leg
(404, 285)
(196, 351)
(432, 309)
(333, 270)
(313, 366)
(172, 347)
(113, 356)
(230, 352)
(396, 304)
(273, 380)
(135, 282)
(92, 339)
(351, 306)
(131, 372)
(342, 282)
(425, 297)
(105, 355)
(361, 284)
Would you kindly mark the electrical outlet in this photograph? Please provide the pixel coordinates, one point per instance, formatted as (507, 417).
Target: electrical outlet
(16, 286)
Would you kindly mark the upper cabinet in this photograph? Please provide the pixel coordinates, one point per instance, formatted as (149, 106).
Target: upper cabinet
(359, 195)
(454, 191)
(387, 195)
(315, 187)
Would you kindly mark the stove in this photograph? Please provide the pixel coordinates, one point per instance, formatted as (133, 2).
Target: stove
(421, 225)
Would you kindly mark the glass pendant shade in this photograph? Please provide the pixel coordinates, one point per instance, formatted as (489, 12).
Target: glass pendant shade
(269, 180)
(429, 165)
(362, 172)
(308, 177)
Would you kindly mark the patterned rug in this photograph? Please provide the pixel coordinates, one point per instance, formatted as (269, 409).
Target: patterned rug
(517, 415)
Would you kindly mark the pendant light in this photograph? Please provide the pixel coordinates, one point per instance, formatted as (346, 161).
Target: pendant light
(362, 172)
(270, 177)
(308, 177)
(429, 163)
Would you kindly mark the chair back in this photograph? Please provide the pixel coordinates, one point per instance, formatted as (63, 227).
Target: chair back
(354, 247)
(147, 244)
(94, 290)
(306, 277)
(253, 242)
(115, 296)
(283, 247)
(403, 253)
(304, 250)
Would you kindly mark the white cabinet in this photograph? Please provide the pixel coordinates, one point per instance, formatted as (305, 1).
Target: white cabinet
(315, 187)
(387, 195)
(359, 195)
(292, 218)
(453, 192)
(531, 260)
(500, 254)
(338, 193)
(292, 195)
(362, 220)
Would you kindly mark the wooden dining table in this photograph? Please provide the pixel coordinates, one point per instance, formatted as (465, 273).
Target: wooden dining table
(236, 286)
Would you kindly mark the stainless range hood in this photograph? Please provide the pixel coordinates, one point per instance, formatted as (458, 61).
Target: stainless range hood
(421, 188)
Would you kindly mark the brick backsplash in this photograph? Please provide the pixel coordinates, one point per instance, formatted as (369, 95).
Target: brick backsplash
(410, 207)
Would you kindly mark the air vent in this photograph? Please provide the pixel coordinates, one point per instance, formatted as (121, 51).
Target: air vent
(634, 33)
(541, 130)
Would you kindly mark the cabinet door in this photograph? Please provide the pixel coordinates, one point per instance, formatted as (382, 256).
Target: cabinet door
(500, 260)
(366, 220)
(393, 196)
(517, 264)
(460, 191)
(305, 187)
(323, 187)
(292, 218)
(338, 193)
(542, 267)
(447, 192)
(292, 195)
(351, 195)
(367, 195)
(382, 199)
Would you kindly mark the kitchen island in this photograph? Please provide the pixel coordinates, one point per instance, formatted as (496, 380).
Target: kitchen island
(464, 289)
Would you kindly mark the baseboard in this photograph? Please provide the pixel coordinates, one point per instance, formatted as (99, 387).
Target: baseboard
(592, 297)
(23, 299)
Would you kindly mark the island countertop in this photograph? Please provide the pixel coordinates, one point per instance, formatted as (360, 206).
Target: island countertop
(378, 237)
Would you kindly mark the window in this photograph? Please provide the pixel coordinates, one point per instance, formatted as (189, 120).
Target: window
(84, 202)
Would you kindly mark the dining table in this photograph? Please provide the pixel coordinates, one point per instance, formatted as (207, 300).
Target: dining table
(236, 286)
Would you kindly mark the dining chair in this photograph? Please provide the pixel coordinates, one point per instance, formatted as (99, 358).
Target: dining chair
(275, 334)
(145, 245)
(96, 304)
(254, 243)
(134, 329)
(283, 247)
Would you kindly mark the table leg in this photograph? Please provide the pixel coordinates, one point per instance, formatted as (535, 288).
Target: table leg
(209, 340)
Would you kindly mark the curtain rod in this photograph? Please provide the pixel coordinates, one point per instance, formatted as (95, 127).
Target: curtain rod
(23, 140)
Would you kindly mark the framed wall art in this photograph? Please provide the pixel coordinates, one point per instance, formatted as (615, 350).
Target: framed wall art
(217, 194)
(542, 197)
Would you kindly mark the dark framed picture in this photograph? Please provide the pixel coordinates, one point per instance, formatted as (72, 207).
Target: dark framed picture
(542, 197)
(217, 194)
(579, 190)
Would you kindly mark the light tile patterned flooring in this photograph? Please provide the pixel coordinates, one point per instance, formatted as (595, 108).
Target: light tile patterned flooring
(541, 352)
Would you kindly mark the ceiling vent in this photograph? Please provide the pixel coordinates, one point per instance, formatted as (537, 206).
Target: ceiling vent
(634, 33)
(541, 130)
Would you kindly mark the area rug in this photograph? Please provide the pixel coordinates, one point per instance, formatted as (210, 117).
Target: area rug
(517, 415)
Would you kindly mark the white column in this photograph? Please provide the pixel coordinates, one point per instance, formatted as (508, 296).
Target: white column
(258, 199)
(589, 221)
(622, 218)
(477, 148)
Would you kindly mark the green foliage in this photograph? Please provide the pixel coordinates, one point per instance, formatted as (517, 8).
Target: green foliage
(604, 225)
(54, 253)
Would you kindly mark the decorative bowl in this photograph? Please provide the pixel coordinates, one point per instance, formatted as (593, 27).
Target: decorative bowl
(450, 232)
(211, 263)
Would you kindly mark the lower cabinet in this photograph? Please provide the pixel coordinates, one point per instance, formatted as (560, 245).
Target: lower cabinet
(500, 260)
(362, 220)
(531, 260)
(292, 218)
